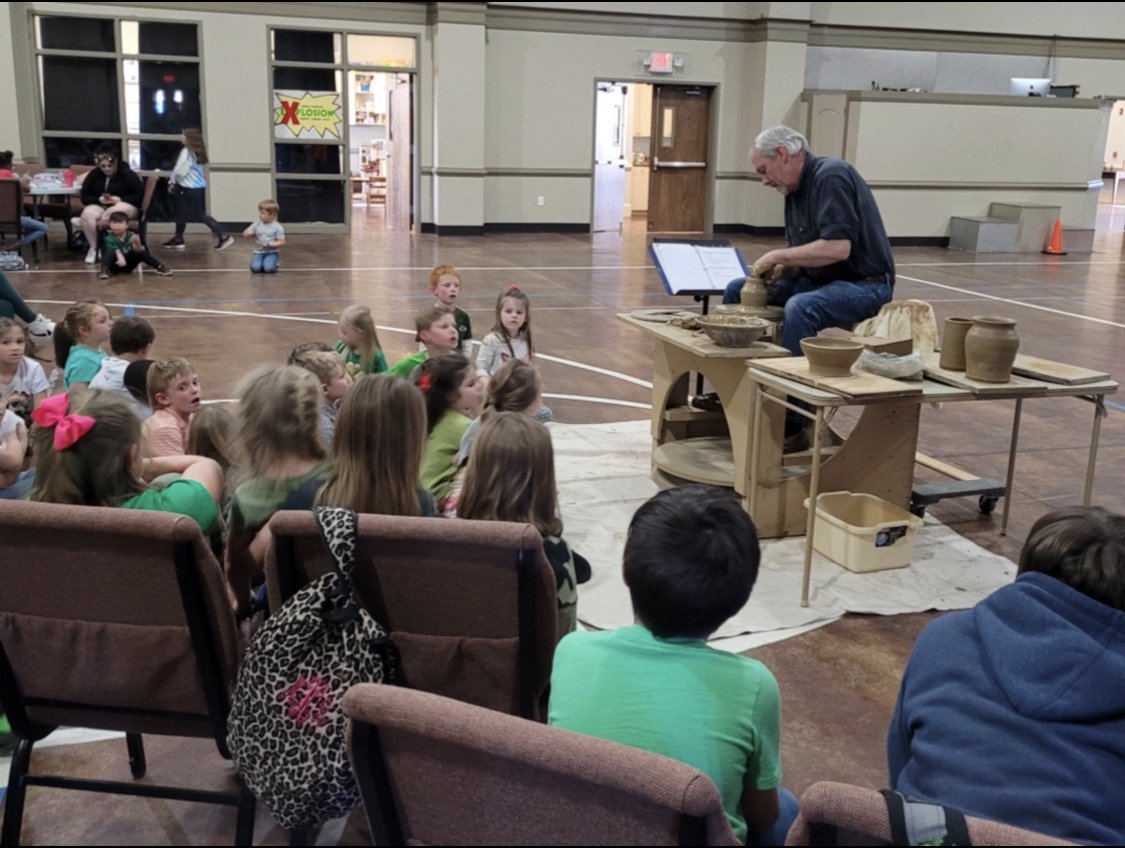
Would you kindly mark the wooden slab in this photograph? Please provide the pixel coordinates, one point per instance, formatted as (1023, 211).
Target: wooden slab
(1056, 372)
(860, 384)
(1015, 387)
(697, 342)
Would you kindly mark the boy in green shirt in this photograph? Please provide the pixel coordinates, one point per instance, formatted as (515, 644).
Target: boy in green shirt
(691, 559)
(123, 250)
(438, 332)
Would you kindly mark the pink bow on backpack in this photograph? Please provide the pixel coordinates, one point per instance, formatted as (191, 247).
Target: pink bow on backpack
(68, 428)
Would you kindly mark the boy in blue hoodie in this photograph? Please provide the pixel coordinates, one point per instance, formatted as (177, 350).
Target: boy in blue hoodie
(1015, 710)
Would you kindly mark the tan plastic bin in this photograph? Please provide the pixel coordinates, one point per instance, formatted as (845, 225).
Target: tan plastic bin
(863, 532)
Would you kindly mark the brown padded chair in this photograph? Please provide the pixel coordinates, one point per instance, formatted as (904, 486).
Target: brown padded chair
(842, 814)
(471, 605)
(11, 212)
(113, 619)
(438, 772)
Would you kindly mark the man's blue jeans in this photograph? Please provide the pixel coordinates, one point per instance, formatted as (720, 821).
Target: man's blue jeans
(810, 308)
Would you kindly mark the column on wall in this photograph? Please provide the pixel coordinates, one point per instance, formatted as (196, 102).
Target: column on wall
(458, 62)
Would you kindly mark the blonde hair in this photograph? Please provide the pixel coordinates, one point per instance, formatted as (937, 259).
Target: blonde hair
(323, 364)
(214, 434)
(160, 374)
(428, 317)
(381, 426)
(514, 387)
(268, 205)
(519, 295)
(511, 474)
(78, 316)
(440, 271)
(98, 469)
(361, 319)
(278, 417)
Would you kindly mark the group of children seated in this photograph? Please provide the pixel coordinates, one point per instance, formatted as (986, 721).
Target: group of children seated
(1034, 737)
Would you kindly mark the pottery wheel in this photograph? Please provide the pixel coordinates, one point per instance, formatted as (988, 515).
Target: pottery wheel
(661, 316)
(772, 313)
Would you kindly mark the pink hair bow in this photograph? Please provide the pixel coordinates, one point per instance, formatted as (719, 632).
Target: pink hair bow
(68, 428)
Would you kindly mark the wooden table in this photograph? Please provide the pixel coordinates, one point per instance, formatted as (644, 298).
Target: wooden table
(878, 458)
(691, 444)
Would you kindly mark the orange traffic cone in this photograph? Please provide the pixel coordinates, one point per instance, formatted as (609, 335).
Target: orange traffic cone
(1054, 245)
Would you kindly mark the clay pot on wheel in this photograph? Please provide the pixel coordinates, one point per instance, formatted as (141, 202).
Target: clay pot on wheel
(990, 349)
(953, 343)
(754, 291)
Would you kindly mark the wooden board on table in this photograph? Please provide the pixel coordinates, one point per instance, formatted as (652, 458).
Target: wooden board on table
(1055, 372)
(1016, 386)
(860, 384)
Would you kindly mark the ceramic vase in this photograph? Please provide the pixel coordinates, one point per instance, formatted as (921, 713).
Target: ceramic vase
(953, 343)
(990, 349)
(754, 291)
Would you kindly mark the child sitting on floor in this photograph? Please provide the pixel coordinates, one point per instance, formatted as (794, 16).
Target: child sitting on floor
(78, 342)
(437, 332)
(510, 338)
(130, 338)
(452, 401)
(445, 285)
(511, 477)
(123, 250)
(280, 451)
(173, 394)
(329, 369)
(359, 343)
(691, 559)
(270, 236)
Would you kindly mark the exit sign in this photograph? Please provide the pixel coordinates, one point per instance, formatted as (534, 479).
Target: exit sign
(660, 63)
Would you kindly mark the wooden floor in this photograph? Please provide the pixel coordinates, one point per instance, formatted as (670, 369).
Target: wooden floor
(838, 684)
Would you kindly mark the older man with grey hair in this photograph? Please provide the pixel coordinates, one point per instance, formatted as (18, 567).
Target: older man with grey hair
(838, 268)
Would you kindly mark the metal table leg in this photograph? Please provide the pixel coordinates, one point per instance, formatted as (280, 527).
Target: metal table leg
(1095, 437)
(1011, 467)
(814, 491)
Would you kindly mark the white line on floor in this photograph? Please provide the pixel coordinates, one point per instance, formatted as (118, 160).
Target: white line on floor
(288, 271)
(237, 314)
(630, 403)
(1022, 303)
(1042, 263)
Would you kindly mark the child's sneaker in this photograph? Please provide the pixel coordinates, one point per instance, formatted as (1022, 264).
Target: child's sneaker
(163, 271)
(103, 275)
(224, 243)
(174, 244)
(41, 329)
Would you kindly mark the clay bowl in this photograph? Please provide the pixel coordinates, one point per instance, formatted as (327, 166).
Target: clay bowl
(733, 330)
(829, 356)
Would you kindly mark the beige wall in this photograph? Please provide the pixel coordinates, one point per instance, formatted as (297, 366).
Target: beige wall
(10, 139)
(921, 177)
(506, 115)
(1069, 20)
(694, 10)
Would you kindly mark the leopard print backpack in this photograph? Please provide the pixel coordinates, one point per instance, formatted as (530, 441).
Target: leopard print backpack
(286, 729)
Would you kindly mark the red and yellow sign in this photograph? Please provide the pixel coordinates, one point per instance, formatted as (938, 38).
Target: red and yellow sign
(307, 114)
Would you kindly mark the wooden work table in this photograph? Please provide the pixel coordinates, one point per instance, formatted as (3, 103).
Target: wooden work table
(878, 457)
(689, 444)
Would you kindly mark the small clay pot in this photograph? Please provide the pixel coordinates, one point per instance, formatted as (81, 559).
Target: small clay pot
(953, 343)
(830, 356)
(754, 291)
(990, 349)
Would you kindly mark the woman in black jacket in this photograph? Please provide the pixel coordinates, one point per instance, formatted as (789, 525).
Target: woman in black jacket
(111, 187)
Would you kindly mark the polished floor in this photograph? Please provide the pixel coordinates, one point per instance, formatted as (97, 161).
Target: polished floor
(838, 684)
